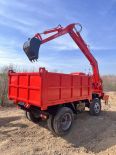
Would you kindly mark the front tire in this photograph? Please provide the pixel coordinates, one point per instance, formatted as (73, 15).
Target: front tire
(95, 107)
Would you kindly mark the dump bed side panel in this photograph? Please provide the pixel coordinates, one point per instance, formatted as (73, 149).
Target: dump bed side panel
(62, 88)
(25, 87)
(45, 89)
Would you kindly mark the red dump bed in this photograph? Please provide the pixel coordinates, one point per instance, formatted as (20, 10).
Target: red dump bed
(45, 89)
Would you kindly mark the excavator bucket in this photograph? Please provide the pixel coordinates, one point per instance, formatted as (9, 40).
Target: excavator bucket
(31, 48)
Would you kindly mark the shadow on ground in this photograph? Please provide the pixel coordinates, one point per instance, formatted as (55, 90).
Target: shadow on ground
(5, 120)
(94, 133)
(8, 121)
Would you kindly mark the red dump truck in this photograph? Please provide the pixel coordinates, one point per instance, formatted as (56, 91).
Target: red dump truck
(56, 97)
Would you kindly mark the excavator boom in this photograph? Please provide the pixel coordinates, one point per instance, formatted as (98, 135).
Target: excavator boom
(31, 48)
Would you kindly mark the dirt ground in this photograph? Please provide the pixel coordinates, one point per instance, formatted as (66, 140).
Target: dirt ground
(89, 134)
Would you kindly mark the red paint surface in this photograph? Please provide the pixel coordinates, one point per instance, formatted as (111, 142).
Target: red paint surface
(45, 89)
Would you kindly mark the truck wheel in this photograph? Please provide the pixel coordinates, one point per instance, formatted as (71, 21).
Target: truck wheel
(62, 121)
(30, 116)
(95, 107)
(50, 123)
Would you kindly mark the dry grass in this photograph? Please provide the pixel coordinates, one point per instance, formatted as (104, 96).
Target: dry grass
(109, 82)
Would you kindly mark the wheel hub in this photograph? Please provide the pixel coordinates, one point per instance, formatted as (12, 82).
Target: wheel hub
(97, 107)
(65, 121)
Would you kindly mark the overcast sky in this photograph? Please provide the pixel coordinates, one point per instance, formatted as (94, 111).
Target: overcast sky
(20, 20)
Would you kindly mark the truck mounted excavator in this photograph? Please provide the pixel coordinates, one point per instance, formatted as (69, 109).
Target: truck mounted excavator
(57, 97)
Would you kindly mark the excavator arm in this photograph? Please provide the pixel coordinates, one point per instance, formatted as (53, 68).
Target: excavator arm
(31, 48)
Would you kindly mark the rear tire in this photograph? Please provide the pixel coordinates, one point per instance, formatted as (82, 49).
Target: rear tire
(62, 121)
(95, 107)
(50, 124)
(30, 116)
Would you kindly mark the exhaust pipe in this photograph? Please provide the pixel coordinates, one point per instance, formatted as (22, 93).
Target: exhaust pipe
(31, 48)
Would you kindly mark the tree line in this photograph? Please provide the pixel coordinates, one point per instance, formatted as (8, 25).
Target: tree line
(109, 83)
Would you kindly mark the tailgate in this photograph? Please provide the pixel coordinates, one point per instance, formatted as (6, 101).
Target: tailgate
(25, 87)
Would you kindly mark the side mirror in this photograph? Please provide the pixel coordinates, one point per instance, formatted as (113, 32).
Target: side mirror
(31, 48)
